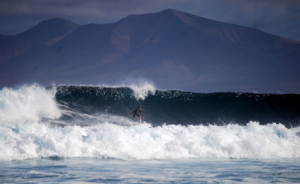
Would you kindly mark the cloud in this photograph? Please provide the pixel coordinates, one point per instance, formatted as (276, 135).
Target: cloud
(277, 16)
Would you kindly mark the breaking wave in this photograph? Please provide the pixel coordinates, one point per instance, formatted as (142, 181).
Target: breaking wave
(78, 121)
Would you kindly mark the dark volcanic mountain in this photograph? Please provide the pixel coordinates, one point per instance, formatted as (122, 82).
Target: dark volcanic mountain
(47, 32)
(172, 48)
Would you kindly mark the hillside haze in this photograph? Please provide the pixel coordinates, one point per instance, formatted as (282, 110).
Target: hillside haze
(172, 48)
(47, 32)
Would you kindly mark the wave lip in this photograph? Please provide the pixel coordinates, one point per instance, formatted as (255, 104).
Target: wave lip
(140, 142)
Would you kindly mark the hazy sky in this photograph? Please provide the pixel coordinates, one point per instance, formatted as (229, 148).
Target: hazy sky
(279, 17)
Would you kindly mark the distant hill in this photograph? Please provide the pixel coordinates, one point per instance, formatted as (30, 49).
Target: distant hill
(47, 32)
(172, 48)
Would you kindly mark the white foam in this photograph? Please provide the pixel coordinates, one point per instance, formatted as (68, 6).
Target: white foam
(27, 103)
(142, 88)
(106, 140)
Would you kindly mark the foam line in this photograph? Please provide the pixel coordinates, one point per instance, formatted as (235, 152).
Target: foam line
(140, 142)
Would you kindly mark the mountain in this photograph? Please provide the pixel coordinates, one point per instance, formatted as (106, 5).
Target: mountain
(172, 48)
(47, 32)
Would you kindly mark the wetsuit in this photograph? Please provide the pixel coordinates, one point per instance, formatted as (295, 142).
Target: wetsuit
(135, 113)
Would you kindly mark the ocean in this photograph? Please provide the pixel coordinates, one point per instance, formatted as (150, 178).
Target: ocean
(86, 134)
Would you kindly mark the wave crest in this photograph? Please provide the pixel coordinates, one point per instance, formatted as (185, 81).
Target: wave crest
(27, 103)
(141, 89)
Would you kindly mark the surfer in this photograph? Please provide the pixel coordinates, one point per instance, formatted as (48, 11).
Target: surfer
(136, 111)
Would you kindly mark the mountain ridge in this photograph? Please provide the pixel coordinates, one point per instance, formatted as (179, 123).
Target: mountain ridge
(13, 45)
(172, 48)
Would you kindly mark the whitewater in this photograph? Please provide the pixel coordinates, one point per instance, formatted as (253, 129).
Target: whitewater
(84, 127)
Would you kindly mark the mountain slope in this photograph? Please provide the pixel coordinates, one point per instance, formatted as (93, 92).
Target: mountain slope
(47, 32)
(172, 48)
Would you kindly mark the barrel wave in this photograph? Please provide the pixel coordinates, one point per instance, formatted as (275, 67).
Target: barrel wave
(94, 122)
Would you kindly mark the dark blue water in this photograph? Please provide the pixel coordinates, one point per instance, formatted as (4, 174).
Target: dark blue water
(152, 171)
(184, 108)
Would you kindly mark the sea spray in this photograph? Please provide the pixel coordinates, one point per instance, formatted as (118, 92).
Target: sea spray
(27, 103)
(141, 90)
